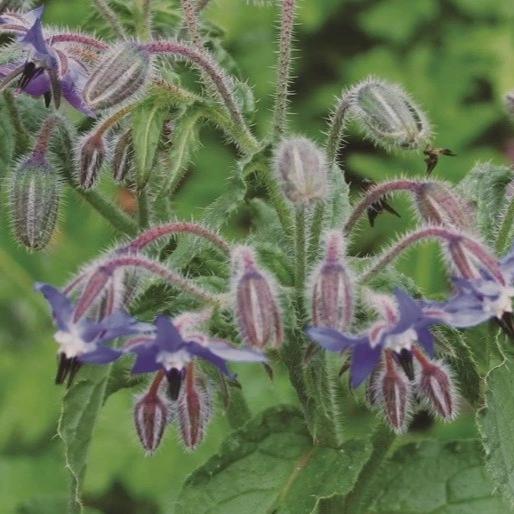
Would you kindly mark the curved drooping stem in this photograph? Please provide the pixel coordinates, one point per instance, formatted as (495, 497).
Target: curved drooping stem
(98, 279)
(79, 39)
(284, 67)
(206, 64)
(479, 252)
(376, 193)
(153, 234)
(336, 128)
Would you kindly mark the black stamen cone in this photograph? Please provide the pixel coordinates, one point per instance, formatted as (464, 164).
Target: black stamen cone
(507, 324)
(174, 377)
(405, 360)
(66, 369)
(30, 71)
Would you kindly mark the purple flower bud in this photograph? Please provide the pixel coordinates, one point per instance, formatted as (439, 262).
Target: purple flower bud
(388, 115)
(91, 154)
(151, 414)
(436, 386)
(437, 204)
(34, 202)
(256, 305)
(393, 392)
(302, 168)
(194, 407)
(121, 74)
(331, 287)
(122, 159)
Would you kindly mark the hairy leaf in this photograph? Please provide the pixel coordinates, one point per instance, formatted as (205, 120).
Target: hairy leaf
(270, 466)
(81, 405)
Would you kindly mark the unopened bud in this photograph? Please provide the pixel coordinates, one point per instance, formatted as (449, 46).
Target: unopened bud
(256, 304)
(393, 392)
(388, 115)
(332, 288)
(121, 74)
(438, 205)
(34, 202)
(194, 408)
(151, 414)
(91, 155)
(122, 159)
(436, 386)
(301, 166)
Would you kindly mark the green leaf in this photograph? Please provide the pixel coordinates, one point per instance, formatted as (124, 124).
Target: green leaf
(147, 122)
(81, 405)
(338, 208)
(270, 466)
(435, 478)
(496, 426)
(484, 187)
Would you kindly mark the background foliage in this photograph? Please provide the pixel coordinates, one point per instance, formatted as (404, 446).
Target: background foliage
(455, 57)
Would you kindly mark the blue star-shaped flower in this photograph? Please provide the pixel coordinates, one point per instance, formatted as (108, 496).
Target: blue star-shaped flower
(168, 351)
(411, 326)
(83, 341)
(46, 71)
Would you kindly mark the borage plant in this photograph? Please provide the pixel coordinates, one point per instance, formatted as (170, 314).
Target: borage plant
(173, 303)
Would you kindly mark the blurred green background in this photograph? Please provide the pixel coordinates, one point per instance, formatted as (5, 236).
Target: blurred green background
(455, 57)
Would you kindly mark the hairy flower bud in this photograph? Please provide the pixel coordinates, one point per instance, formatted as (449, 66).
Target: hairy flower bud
(122, 73)
(302, 168)
(151, 413)
(331, 290)
(34, 202)
(388, 115)
(436, 386)
(91, 155)
(194, 407)
(122, 158)
(438, 205)
(256, 304)
(393, 392)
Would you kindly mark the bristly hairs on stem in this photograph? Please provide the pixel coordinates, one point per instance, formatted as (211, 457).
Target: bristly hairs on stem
(106, 10)
(189, 8)
(282, 93)
(337, 123)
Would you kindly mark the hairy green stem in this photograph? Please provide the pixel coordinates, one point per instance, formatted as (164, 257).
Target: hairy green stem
(144, 213)
(189, 8)
(300, 256)
(237, 410)
(22, 137)
(316, 230)
(502, 240)
(356, 501)
(284, 67)
(107, 12)
(336, 129)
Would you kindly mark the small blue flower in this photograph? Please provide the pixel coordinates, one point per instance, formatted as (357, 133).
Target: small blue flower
(409, 326)
(83, 341)
(46, 71)
(168, 351)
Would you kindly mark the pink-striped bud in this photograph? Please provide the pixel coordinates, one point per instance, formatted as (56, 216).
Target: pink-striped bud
(194, 407)
(438, 205)
(302, 168)
(123, 155)
(256, 304)
(121, 74)
(151, 413)
(331, 290)
(435, 384)
(90, 156)
(393, 392)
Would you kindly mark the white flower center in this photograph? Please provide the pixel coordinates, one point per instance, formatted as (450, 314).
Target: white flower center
(502, 304)
(170, 360)
(398, 342)
(71, 344)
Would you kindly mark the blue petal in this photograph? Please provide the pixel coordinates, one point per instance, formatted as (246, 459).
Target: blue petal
(146, 359)
(168, 337)
(464, 310)
(102, 355)
(409, 310)
(62, 308)
(426, 340)
(364, 360)
(34, 37)
(204, 353)
(120, 324)
(229, 353)
(332, 340)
